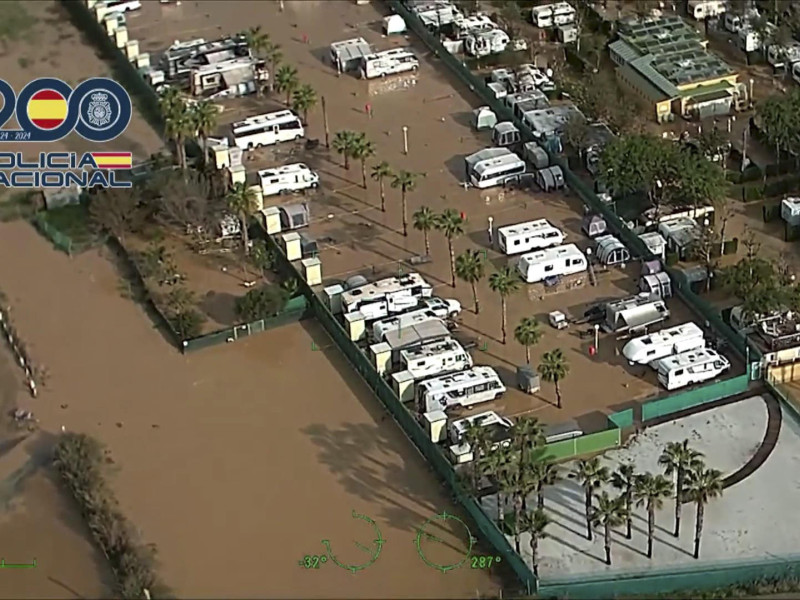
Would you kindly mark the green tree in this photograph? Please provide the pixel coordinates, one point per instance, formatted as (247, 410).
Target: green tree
(287, 81)
(451, 224)
(344, 142)
(535, 522)
(624, 479)
(188, 323)
(780, 121)
(679, 459)
(259, 43)
(651, 491)
(178, 122)
(273, 55)
(363, 150)
(590, 474)
(546, 473)
(424, 220)
(702, 486)
(504, 282)
(241, 202)
(204, 116)
(702, 182)
(528, 333)
(380, 173)
(553, 369)
(609, 513)
(304, 98)
(262, 257)
(527, 434)
(470, 268)
(179, 299)
(493, 465)
(261, 303)
(406, 182)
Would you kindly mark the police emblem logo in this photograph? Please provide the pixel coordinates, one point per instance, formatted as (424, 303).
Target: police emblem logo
(99, 111)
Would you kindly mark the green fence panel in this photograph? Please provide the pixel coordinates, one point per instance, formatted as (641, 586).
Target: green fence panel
(214, 338)
(696, 397)
(623, 418)
(58, 239)
(705, 576)
(560, 450)
(597, 442)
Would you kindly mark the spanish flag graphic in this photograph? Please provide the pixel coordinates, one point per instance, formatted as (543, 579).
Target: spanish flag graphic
(113, 160)
(47, 109)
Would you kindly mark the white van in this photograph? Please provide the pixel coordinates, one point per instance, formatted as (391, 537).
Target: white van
(706, 9)
(467, 388)
(498, 429)
(532, 235)
(122, 5)
(691, 367)
(388, 62)
(552, 262)
(648, 349)
(288, 178)
(437, 357)
(499, 168)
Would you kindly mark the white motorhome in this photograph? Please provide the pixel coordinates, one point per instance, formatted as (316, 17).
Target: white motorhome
(388, 62)
(781, 57)
(524, 237)
(288, 178)
(542, 16)
(485, 42)
(437, 14)
(498, 429)
(749, 40)
(552, 262)
(438, 357)
(428, 308)
(563, 14)
(122, 5)
(648, 349)
(472, 24)
(386, 296)
(267, 129)
(706, 9)
(494, 166)
(696, 366)
(479, 384)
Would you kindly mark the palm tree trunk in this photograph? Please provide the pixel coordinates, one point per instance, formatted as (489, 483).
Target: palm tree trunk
(527, 355)
(503, 324)
(651, 525)
(629, 519)
(179, 147)
(540, 495)
(288, 97)
(346, 160)
(698, 530)
(535, 555)
(678, 502)
(452, 262)
(558, 394)
(607, 543)
(364, 173)
(245, 234)
(383, 195)
(499, 505)
(588, 506)
(305, 116)
(272, 77)
(517, 519)
(204, 141)
(427, 243)
(405, 213)
(475, 298)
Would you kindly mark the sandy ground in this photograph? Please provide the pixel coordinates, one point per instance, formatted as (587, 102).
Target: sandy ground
(226, 460)
(743, 524)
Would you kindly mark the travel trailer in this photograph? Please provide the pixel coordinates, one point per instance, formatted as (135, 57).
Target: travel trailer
(524, 237)
(381, 329)
(749, 40)
(473, 23)
(552, 262)
(494, 166)
(436, 14)
(563, 14)
(267, 129)
(427, 308)
(552, 15)
(695, 366)
(228, 79)
(706, 9)
(498, 429)
(348, 54)
(483, 43)
(467, 388)
(288, 178)
(781, 57)
(648, 349)
(181, 58)
(122, 5)
(386, 296)
(439, 357)
(388, 62)
(633, 314)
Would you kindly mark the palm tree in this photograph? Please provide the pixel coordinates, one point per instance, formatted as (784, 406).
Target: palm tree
(363, 150)
(470, 267)
(702, 485)
(545, 473)
(591, 475)
(609, 512)
(272, 54)
(343, 143)
(287, 81)
(505, 282)
(451, 224)
(241, 200)
(493, 465)
(624, 479)
(528, 333)
(476, 437)
(505, 478)
(304, 99)
(204, 115)
(259, 43)
(553, 369)
(535, 522)
(651, 490)
(527, 434)
(525, 485)
(406, 182)
(178, 124)
(424, 220)
(678, 459)
(379, 173)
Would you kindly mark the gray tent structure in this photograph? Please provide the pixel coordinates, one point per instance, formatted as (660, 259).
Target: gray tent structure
(294, 216)
(594, 225)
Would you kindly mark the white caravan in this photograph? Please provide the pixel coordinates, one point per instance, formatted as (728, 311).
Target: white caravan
(781, 57)
(494, 166)
(532, 235)
(749, 40)
(796, 72)
(485, 42)
(479, 384)
(388, 62)
(498, 429)
(386, 296)
(472, 24)
(552, 262)
(542, 16)
(347, 54)
(382, 330)
(706, 9)
(648, 349)
(267, 129)
(563, 14)
(288, 178)
(122, 5)
(427, 309)
(438, 357)
(691, 367)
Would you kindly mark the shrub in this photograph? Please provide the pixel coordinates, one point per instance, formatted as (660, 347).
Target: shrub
(771, 213)
(188, 323)
(752, 172)
(730, 246)
(262, 303)
(752, 192)
(671, 259)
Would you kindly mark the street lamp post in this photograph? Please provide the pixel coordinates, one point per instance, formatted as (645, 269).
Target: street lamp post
(405, 139)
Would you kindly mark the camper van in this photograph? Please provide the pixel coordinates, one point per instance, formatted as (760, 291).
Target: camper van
(706, 9)
(388, 62)
(267, 129)
(498, 429)
(438, 357)
(648, 349)
(500, 167)
(633, 314)
(552, 262)
(524, 237)
(288, 178)
(782, 56)
(467, 388)
(386, 296)
(695, 366)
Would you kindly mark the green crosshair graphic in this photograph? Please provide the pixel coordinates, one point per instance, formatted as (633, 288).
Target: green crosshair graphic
(372, 552)
(425, 534)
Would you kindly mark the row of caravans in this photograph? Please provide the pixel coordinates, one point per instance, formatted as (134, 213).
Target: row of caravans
(357, 55)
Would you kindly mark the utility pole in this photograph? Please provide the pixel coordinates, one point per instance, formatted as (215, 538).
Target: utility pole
(325, 122)
(744, 146)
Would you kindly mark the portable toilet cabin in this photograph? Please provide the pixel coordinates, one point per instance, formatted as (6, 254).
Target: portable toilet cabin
(657, 285)
(394, 24)
(505, 134)
(594, 225)
(790, 211)
(610, 251)
(483, 118)
(567, 33)
(535, 155)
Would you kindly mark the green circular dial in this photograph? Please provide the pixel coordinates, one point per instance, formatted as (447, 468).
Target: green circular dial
(372, 551)
(426, 535)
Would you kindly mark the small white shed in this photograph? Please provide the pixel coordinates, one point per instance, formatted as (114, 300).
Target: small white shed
(394, 24)
(790, 210)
